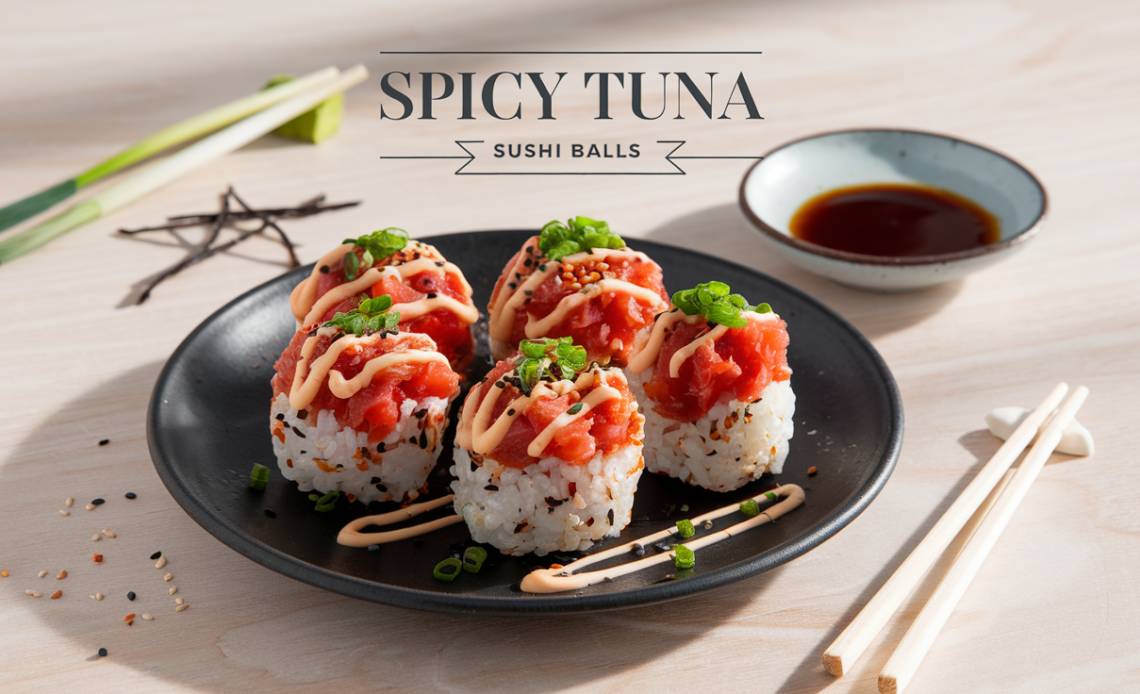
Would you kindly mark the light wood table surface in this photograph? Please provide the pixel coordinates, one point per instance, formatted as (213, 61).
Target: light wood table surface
(1056, 607)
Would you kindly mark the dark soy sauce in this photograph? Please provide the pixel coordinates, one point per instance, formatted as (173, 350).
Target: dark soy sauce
(894, 219)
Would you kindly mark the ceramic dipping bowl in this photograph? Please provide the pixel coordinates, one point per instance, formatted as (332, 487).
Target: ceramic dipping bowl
(778, 185)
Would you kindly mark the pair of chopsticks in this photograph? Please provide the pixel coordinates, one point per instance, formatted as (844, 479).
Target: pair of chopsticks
(899, 670)
(247, 119)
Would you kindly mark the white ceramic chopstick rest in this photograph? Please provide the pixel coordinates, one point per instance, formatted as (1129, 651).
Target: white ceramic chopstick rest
(1075, 440)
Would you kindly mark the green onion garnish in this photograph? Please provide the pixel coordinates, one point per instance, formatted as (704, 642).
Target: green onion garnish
(327, 502)
(685, 528)
(473, 558)
(575, 408)
(750, 507)
(683, 557)
(713, 301)
(580, 234)
(371, 316)
(258, 477)
(447, 569)
(314, 497)
(548, 358)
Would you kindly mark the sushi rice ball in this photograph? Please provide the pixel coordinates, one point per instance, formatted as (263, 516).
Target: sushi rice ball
(431, 295)
(548, 451)
(361, 407)
(576, 280)
(713, 379)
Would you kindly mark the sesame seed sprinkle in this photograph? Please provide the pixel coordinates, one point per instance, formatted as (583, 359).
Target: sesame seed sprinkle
(43, 573)
(156, 555)
(178, 601)
(168, 577)
(160, 563)
(181, 607)
(69, 502)
(63, 513)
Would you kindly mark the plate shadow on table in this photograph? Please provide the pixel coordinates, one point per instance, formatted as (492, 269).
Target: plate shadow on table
(723, 231)
(809, 675)
(271, 622)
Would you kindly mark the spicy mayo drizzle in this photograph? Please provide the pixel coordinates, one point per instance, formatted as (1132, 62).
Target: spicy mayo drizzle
(555, 580)
(307, 379)
(645, 355)
(477, 433)
(510, 299)
(307, 308)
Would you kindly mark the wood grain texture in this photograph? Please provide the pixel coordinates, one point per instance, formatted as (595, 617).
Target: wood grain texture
(1054, 607)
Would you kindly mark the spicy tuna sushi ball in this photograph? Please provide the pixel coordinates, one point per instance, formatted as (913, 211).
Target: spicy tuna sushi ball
(576, 280)
(713, 379)
(360, 407)
(548, 452)
(431, 294)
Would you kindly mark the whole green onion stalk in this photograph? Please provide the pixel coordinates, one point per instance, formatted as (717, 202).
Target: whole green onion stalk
(227, 140)
(176, 134)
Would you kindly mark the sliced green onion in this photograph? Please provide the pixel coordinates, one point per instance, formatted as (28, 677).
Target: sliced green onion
(750, 507)
(473, 558)
(314, 497)
(327, 502)
(447, 569)
(770, 495)
(683, 557)
(575, 408)
(685, 528)
(258, 477)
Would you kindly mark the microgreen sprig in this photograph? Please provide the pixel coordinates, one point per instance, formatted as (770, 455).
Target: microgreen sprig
(370, 316)
(556, 358)
(713, 301)
(377, 245)
(578, 235)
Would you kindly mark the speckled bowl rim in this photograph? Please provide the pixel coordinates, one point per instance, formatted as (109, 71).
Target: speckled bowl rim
(1017, 239)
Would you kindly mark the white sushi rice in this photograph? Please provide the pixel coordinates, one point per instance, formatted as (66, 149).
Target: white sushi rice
(735, 443)
(534, 510)
(326, 457)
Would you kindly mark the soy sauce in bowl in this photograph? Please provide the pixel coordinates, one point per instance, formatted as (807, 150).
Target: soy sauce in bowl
(894, 219)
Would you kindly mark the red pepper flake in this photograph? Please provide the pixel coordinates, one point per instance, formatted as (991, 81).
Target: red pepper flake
(129, 619)
(811, 471)
(4, 574)
(62, 574)
(97, 558)
(56, 594)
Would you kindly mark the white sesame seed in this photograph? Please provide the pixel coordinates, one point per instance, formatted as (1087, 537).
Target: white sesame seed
(181, 607)
(168, 577)
(96, 537)
(91, 596)
(98, 596)
(90, 507)
(108, 533)
(37, 594)
(178, 601)
(148, 617)
(69, 502)
(43, 573)
(160, 563)
(63, 513)
(29, 591)
(173, 590)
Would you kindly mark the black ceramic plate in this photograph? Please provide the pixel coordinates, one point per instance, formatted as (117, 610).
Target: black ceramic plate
(209, 423)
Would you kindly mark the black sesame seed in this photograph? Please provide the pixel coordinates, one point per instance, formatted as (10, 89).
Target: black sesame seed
(374, 480)
(104, 442)
(528, 292)
(298, 432)
(542, 268)
(491, 488)
(610, 517)
(156, 555)
(380, 447)
(423, 440)
(511, 412)
(97, 502)
(281, 417)
(551, 501)
(131, 595)
(131, 495)
(302, 414)
(500, 384)
(474, 467)
(270, 513)
(431, 295)
(381, 488)
(520, 527)
(528, 262)
(373, 548)
(412, 439)
(511, 285)
(324, 269)
(103, 652)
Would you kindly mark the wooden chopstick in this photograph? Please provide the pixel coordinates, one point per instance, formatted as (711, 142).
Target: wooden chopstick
(902, 665)
(850, 644)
